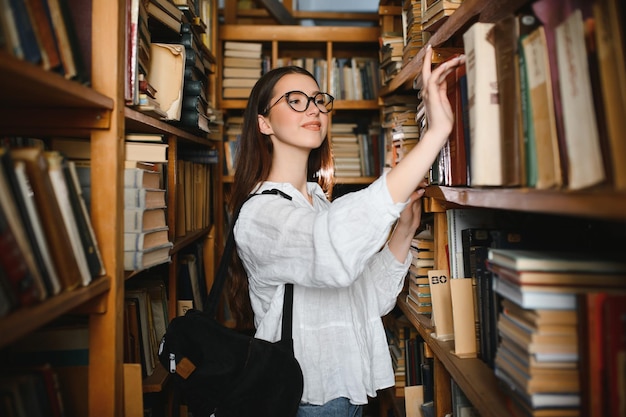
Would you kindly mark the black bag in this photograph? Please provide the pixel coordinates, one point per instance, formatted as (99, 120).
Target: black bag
(223, 372)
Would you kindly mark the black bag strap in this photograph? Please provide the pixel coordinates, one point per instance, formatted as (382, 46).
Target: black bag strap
(213, 298)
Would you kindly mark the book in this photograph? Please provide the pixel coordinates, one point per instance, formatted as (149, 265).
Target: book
(508, 32)
(138, 241)
(140, 260)
(147, 340)
(238, 62)
(529, 260)
(244, 46)
(485, 151)
(609, 38)
(68, 42)
(57, 234)
(141, 178)
(144, 137)
(541, 106)
(142, 220)
(164, 17)
(534, 297)
(42, 24)
(236, 72)
(582, 141)
(439, 282)
(167, 69)
(145, 151)
(83, 220)
(614, 320)
(144, 198)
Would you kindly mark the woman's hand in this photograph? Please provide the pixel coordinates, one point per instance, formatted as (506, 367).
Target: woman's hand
(407, 225)
(439, 113)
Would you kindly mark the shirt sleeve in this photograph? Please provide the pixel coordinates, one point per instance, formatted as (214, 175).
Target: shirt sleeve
(282, 241)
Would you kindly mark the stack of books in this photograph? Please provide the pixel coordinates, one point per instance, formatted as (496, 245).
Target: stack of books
(422, 249)
(196, 112)
(242, 68)
(434, 13)
(546, 345)
(414, 36)
(146, 233)
(346, 149)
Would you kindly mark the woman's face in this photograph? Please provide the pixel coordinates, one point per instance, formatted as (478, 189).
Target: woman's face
(298, 129)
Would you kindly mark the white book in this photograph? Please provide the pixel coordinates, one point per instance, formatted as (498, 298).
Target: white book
(584, 153)
(484, 108)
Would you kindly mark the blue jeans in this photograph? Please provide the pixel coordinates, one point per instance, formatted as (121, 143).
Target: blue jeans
(339, 407)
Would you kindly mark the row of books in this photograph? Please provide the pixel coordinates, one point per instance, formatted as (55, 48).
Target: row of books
(48, 241)
(558, 121)
(545, 307)
(49, 34)
(167, 55)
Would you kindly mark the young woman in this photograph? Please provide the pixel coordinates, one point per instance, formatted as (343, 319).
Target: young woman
(346, 263)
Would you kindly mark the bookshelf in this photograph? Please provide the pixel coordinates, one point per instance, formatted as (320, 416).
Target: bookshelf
(43, 104)
(323, 42)
(604, 203)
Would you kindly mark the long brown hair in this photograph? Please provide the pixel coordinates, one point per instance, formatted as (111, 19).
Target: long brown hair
(253, 162)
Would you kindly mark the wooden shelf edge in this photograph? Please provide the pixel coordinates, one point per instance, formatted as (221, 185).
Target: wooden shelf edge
(295, 33)
(474, 377)
(596, 203)
(20, 81)
(157, 381)
(137, 121)
(24, 320)
(184, 241)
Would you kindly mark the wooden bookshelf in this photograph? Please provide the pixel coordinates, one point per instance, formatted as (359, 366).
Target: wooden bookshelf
(38, 103)
(599, 203)
(315, 41)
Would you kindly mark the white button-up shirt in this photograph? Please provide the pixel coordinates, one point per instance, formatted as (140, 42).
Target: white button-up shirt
(343, 283)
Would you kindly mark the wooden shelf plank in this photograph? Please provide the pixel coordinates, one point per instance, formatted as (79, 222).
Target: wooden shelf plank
(600, 203)
(474, 377)
(24, 320)
(22, 82)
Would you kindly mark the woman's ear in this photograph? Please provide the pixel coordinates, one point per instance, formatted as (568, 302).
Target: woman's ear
(264, 125)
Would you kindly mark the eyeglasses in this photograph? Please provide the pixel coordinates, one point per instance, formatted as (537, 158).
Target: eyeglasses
(299, 101)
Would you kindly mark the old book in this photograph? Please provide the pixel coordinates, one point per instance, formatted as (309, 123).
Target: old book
(234, 72)
(611, 56)
(583, 149)
(238, 62)
(29, 49)
(40, 17)
(484, 109)
(507, 32)
(85, 227)
(142, 220)
(243, 46)
(74, 66)
(239, 82)
(57, 234)
(141, 178)
(456, 172)
(529, 260)
(541, 108)
(147, 152)
(144, 137)
(140, 260)
(144, 198)
(236, 92)
(134, 241)
(167, 69)
(148, 337)
(164, 17)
